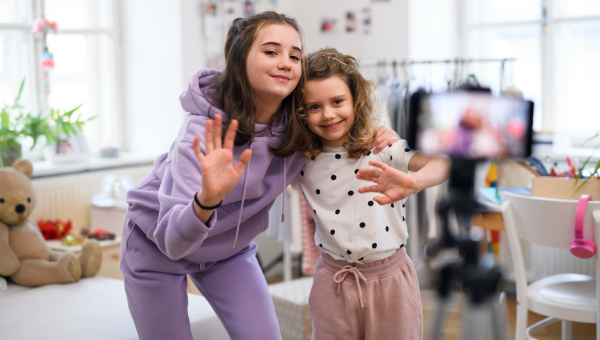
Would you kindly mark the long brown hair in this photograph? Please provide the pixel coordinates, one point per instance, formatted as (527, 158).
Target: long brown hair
(326, 63)
(234, 92)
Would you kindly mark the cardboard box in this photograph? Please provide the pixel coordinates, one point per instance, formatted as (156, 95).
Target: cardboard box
(291, 306)
(564, 188)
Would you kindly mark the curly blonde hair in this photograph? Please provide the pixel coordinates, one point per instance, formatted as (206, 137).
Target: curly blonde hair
(326, 63)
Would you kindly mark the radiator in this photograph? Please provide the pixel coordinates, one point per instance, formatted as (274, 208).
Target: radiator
(69, 196)
(542, 261)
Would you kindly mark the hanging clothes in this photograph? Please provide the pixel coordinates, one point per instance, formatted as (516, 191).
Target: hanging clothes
(310, 252)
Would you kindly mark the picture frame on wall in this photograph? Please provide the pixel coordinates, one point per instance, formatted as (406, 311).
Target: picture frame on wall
(69, 149)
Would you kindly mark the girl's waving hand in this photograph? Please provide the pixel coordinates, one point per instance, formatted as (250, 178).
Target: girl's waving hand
(219, 175)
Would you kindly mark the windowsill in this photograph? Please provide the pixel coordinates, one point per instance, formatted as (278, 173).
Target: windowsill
(43, 169)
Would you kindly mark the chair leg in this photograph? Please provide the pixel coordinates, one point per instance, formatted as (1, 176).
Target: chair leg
(521, 326)
(567, 330)
(540, 324)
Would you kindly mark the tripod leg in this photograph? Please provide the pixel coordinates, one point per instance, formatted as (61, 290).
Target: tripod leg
(499, 316)
(438, 321)
(567, 330)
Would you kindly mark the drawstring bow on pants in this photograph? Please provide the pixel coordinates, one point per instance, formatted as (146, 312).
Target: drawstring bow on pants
(341, 275)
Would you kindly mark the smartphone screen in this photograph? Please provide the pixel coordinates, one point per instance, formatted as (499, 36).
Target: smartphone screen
(474, 125)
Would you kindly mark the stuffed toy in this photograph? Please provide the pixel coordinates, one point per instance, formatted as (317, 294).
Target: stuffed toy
(24, 255)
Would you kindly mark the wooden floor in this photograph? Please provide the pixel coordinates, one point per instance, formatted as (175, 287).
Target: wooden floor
(453, 321)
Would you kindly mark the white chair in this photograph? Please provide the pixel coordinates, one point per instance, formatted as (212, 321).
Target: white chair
(562, 297)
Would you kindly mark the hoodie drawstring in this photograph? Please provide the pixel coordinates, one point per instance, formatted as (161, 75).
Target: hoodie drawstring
(284, 186)
(237, 231)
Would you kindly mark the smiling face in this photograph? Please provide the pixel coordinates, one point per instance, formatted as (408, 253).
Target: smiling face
(273, 65)
(329, 110)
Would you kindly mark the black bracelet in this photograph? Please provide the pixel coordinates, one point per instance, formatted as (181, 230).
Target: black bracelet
(203, 207)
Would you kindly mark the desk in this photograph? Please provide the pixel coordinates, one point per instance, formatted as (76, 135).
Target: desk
(488, 220)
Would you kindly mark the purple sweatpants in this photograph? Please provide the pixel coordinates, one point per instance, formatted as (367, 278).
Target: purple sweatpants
(156, 288)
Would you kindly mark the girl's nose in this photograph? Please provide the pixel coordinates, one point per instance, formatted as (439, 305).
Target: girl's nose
(285, 63)
(328, 114)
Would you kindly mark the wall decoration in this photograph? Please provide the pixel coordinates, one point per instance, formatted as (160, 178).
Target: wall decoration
(366, 20)
(248, 8)
(350, 21)
(211, 22)
(328, 25)
(41, 28)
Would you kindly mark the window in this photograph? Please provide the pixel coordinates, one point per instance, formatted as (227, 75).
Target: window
(557, 46)
(84, 57)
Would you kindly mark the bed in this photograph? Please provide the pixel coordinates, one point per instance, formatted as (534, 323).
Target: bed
(93, 308)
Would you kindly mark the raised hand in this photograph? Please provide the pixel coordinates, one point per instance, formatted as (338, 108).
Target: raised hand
(394, 184)
(219, 176)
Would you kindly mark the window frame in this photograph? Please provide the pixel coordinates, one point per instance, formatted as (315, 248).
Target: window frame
(34, 84)
(547, 22)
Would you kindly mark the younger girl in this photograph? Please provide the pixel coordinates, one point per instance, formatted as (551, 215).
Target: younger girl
(195, 214)
(365, 286)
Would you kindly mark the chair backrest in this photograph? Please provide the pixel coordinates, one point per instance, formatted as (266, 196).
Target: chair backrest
(546, 221)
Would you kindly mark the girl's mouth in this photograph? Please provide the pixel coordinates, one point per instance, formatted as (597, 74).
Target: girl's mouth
(332, 126)
(282, 79)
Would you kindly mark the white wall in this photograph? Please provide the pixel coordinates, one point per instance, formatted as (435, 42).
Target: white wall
(433, 35)
(389, 26)
(432, 29)
(161, 49)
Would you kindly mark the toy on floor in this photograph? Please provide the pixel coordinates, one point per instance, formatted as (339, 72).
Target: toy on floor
(24, 255)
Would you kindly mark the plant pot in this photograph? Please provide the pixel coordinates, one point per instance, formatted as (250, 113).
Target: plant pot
(11, 155)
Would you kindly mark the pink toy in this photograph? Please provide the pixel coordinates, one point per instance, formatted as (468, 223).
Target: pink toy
(580, 246)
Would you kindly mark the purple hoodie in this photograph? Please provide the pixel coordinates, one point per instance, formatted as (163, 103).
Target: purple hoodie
(161, 204)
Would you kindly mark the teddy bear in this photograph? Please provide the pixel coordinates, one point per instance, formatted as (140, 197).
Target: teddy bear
(24, 255)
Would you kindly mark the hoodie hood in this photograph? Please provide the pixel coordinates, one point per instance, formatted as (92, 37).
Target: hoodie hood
(199, 97)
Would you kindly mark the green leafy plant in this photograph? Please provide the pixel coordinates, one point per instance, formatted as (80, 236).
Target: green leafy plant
(579, 175)
(16, 124)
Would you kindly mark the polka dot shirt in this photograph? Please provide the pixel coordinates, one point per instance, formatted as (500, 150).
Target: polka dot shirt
(352, 227)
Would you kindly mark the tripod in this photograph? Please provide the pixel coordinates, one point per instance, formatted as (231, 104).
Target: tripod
(480, 278)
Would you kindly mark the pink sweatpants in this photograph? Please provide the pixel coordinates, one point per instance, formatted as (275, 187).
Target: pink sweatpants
(378, 300)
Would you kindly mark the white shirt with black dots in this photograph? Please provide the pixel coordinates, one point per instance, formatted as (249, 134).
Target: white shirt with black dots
(351, 226)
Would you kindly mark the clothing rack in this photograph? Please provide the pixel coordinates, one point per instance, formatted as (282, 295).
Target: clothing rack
(405, 62)
(456, 61)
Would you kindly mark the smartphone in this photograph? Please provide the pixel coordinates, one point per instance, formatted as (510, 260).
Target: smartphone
(471, 125)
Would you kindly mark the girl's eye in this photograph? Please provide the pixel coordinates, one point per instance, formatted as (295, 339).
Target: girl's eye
(295, 58)
(337, 102)
(270, 52)
(313, 107)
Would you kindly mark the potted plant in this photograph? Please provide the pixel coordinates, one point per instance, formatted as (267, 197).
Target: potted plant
(16, 124)
(593, 173)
